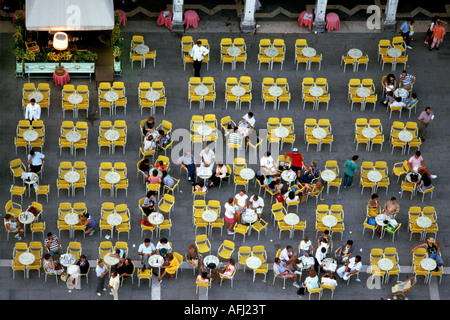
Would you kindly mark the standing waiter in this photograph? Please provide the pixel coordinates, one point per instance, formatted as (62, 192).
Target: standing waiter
(197, 53)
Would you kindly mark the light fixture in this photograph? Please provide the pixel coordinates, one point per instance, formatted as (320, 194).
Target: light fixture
(60, 43)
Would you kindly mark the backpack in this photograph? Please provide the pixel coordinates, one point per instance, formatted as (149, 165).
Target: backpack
(280, 198)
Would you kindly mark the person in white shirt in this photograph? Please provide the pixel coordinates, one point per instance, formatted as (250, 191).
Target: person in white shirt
(306, 247)
(230, 212)
(257, 204)
(246, 125)
(352, 266)
(268, 165)
(36, 161)
(198, 52)
(33, 111)
(311, 281)
(145, 250)
(114, 283)
(288, 257)
(240, 204)
(321, 253)
(101, 270)
(208, 157)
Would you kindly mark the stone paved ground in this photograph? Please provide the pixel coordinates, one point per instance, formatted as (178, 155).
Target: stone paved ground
(431, 88)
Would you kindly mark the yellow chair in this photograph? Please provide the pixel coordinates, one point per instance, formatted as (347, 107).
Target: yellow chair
(348, 61)
(383, 46)
(244, 253)
(402, 287)
(166, 225)
(311, 291)
(316, 59)
(408, 187)
(281, 47)
(400, 168)
(13, 209)
(386, 59)
(361, 61)
(17, 191)
(241, 229)
(202, 243)
(366, 225)
(144, 275)
(226, 249)
(17, 167)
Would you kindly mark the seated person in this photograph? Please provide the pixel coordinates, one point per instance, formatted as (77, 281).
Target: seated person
(283, 272)
(343, 252)
(315, 188)
(171, 266)
(398, 102)
(149, 126)
(240, 204)
(200, 186)
(411, 102)
(352, 266)
(287, 256)
(163, 139)
(154, 178)
(268, 165)
(163, 248)
(149, 204)
(246, 125)
(311, 281)
(290, 197)
(160, 166)
(195, 258)
(416, 164)
(226, 271)
(167, 180)
(274, 186)
(391, 207)
(119, 254)
(257, 204)
(13, 226)
(145, 167)
(149, 143)
(203, 277)
(221, 172)
(424, 184)
(310, 173)
(389, 84)
(305, 247)
(52, 267)
(373, 206)
(125, 268)
(329, 280)
(83, 263)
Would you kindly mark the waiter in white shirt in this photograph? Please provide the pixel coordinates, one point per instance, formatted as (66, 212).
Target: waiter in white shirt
(197, 53)
(33, 111)
(36, 161)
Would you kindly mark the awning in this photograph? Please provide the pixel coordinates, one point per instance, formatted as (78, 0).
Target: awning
(69, 15)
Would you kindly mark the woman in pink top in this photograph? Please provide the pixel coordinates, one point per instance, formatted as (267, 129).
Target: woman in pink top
(227, 271)
(438, 36)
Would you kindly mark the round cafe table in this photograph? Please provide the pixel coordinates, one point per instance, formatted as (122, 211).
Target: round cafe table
(363, 92)
(156, 218)
(72, 177)
(114, 219)
(30, 178)
(247, 173)
(238, 91)
(291, 219)
(305, 262)
(382, 220)
(316, 91)
(409, 174)
(67, 259)
(30, 135)
(354, 53)
(328, 175)
(253, 263)
(112, 135)
(204, 172)
(73, 137)
(36, 95)
(333, 22)
(369, 133)
(309, 52)
(26, 259)
(249, 217)
(305, 19)
(423, 222)
(400, 92)
(165, 19)
(61, 80)
(271, 52)
(319, 133)
(141, 49)
(289, 176)
(152, 95)
(428, 264)
(209, 216)
(204, 130)
(374, 176)
(211, 259)
(75, 99)
(281, 132)
(112, 177)
(71, 219)
(394, 52)
(275, 91)
(201, 90)
(110, 259)
(156, 261)
(405, 136)
(329, 221)
(385, 264)
(111, 96)
(26, 218)
(329, 265)
(234, 52)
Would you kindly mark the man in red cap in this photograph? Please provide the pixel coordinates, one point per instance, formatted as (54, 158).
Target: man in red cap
(297, 161)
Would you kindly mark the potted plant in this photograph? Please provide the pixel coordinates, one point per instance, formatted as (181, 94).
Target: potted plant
(29, 56)
(90, 56)
(79, 56)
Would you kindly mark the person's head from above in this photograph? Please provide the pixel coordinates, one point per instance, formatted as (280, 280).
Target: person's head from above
(199, 43)
(231, 261)
(291, 195)
(305, 239)
(170, 256)
(220, 164)
(428, 110)
(146, 242)
(319, 185)
(404, 73)
(117, 251)
(206, 149)
(398, 99)
(255, 197)
(390, 77)
(151, 119)
(161, 132)
(204, 275)
(241, 192)
(192, 248)
(272, 184)
(355, 157)
(146, 161)
(155, 173)
(101, 263)
(47, 256)
(83, 258)
(230, 200)
(150, 194)
(409, 20)
(417, 154)
(113, 274)
(358, 258)
(349, 243)
(295, 150)
(33, 101)
(277, 260)
(414, 95)
(164, 174)
(49, 236)
(313, 164)
(187, 154)
(374, 196)
(268, 154)
(289, 248)
(431, 241)
(149, 138)
(161, 163)
(7, 216)
(201, 184)
(312, 273)
(394, 200)
(323, 250)
(163, 241)
(127, 261)
(250, 114)
(326, 233)
(31, 152)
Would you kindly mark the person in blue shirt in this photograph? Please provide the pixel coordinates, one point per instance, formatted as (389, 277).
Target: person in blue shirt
(89, 223)
(404, 29)
(351, 169)
(168, 180)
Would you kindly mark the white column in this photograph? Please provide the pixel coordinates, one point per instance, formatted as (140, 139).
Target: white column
(319, 23)
(177, 19)
(248, 23)
(389, 23)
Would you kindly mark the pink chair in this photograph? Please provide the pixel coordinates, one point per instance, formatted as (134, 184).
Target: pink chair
(191, 19)
(333, 22)
(306, 19)
(122, 17)
(165, 21)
